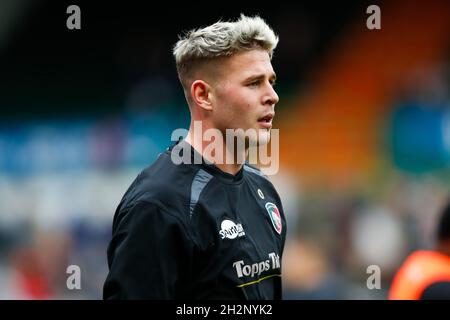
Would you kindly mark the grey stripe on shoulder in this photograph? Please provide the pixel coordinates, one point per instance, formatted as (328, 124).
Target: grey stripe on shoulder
(255, 171)
(200, 181)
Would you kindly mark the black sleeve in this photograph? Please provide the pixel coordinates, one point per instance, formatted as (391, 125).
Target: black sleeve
(437, 291)
(149, 255)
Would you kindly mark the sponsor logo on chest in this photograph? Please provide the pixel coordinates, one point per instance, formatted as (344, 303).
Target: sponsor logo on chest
(255, 269)
(231, 230)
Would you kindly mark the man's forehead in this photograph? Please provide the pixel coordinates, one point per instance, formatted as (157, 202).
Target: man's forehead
(251, 63)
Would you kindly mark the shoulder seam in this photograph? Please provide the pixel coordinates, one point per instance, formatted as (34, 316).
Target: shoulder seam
(198, 184)
(254, 170)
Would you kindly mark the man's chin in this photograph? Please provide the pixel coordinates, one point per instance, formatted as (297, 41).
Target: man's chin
(262, 139)
(253, 137)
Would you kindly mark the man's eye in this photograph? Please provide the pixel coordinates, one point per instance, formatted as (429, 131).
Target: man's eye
(273, 83)
(254, 84)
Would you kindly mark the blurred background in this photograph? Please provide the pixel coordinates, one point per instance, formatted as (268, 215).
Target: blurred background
(364, 119)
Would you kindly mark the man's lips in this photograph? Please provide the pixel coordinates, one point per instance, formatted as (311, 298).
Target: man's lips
(266, 120)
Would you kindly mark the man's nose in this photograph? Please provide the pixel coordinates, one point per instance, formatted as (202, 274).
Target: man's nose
(271, 97)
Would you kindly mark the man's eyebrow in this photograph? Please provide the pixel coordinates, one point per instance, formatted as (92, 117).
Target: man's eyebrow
(272, 77)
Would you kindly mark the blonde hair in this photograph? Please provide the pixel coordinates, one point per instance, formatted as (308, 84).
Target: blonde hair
(221, 39)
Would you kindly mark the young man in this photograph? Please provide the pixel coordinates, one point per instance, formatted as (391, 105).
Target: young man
(208, 229)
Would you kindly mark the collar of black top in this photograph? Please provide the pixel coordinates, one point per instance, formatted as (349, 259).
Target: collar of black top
(207, 165)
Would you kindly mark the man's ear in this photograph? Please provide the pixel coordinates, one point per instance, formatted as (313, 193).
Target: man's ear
(201, 94)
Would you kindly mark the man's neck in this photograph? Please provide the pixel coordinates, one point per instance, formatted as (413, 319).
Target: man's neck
(200, 145)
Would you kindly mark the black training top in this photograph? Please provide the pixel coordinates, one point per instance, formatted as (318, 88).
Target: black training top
(192, 231)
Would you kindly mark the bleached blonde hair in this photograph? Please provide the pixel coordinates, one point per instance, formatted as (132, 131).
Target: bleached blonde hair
(221, 39)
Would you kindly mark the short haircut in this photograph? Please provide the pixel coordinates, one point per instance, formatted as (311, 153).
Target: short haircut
(443, 227)
(221, 39)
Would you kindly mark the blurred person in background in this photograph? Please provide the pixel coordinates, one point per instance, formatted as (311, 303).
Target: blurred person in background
(426, 274)
(207, 229)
